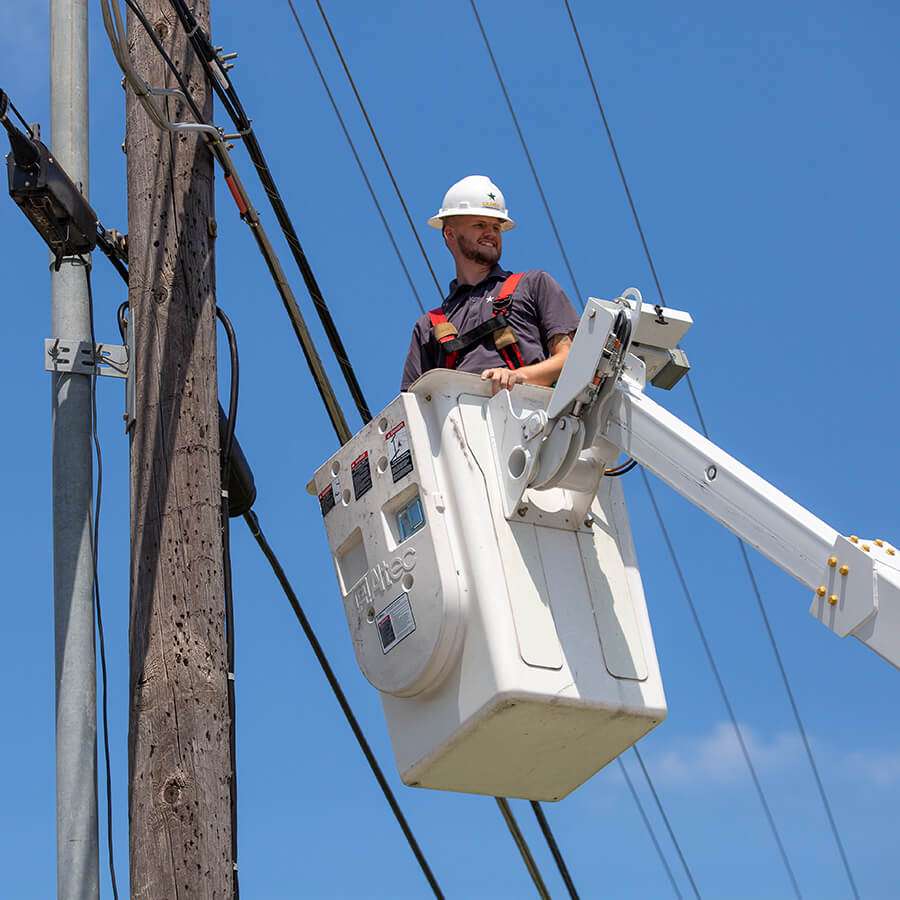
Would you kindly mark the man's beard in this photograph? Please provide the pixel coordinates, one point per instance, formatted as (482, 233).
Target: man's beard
(486, 254)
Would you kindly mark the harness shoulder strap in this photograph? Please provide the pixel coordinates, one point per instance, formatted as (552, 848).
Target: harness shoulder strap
(444, 331)
(504, 338)
(508, 287)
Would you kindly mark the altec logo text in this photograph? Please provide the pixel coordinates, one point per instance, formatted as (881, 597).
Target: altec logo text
(380, 577)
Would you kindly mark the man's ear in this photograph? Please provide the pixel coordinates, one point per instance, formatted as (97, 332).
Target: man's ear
(446, 231)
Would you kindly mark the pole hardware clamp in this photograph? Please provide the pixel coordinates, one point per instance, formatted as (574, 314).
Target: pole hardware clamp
(78, 357)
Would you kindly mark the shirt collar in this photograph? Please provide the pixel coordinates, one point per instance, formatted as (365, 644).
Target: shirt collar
(456, 288)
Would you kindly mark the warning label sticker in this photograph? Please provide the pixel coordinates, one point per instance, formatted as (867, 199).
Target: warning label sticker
(395, 622)
(400, 453)
(326, 500)
(361, 473)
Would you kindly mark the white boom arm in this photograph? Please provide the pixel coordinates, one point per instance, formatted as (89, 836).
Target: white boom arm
(856, 582)
(599, 408)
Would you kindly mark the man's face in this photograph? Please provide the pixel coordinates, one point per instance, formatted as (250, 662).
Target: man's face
(477, 238)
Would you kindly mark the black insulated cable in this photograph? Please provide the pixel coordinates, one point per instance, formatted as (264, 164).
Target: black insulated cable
(523, 848)
(256, 530)
(554, 849)
(225, 457)
(250, 216)
(95, 542)
(223, 87)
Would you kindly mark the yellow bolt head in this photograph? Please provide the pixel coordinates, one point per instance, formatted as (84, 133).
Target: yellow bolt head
(833, 599)
(891, 551)
(844, 570)
(821, 591)
(854, 538)
(879, 542)
(832, 561)
(866, 547)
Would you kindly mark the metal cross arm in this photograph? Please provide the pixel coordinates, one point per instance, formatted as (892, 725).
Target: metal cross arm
(599, 409)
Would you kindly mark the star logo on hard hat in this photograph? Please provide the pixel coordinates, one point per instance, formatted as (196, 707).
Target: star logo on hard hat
(492, 196)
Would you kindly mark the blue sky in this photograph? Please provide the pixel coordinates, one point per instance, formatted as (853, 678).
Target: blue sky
(761, 144)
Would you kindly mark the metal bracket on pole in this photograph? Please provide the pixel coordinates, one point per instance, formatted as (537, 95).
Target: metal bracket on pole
(61, 355)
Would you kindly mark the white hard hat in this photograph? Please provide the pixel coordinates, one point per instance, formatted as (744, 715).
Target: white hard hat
(475, 195)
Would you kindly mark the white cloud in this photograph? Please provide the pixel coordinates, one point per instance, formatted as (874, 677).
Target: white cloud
(716, 758)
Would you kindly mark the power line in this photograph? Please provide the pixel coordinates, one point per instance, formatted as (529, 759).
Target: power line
(524, 144)
(507, 812)
(118, 39)
(666, 822)
(523, 848)
(649, 827)
(626, 467)
(554, 849)
(226, 91)
(387, 165)
(256, 530)
(356, 155)
(721, 685)
(696, 404)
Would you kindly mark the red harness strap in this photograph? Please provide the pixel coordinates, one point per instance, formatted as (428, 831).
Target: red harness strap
(504, 338)
(444, 331)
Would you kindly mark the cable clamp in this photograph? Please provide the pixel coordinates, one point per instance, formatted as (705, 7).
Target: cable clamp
(224, 494)
(80, 358)
(231, 676)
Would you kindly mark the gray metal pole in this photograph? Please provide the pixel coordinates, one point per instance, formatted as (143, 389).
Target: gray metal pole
(77, 852)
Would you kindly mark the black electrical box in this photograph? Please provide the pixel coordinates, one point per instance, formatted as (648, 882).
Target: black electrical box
(52, 203)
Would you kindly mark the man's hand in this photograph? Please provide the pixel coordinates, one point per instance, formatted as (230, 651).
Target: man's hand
(501, 379)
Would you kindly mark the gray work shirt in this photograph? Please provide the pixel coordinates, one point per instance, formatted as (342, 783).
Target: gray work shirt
(539, 311)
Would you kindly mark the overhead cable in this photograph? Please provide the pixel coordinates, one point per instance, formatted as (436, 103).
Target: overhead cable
(649, 827)
(554, 849)
(222, 85)
(726, 700)
(384, 159)
(524, 144)
(508, 815)
(256, 530)
(696, 404)
(523, 848)
(356, 156)
(665, 818)
(115, 30)
(629, 465)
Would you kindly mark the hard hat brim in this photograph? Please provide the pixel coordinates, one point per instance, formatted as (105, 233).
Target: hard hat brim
(438, 220)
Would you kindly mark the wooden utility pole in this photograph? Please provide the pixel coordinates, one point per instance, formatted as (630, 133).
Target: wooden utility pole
(179, 761)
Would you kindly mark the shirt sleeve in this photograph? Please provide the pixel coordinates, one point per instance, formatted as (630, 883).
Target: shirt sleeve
(418, 358)
(556, 314)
